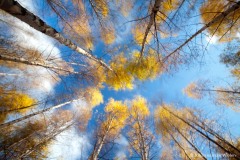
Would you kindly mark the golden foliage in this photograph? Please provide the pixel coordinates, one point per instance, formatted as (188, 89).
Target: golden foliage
(80, 31)
(147, 67)
(192, 91)
(16, 102)
(139, 108)
(165, 119)
(120, 78)
(93, 96)
(169, 5)
(228, 26)
(139, 32)
(227, 99)
(116, 115)
(102, 6)
(108, 35)
(236, 73)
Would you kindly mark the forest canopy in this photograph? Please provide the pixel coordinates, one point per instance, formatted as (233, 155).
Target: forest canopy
(120, 79)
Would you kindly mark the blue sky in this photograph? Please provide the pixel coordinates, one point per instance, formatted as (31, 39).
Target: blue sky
(167, 87)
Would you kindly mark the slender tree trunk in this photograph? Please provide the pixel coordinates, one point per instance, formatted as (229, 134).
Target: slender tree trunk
(40, 64)
(175, 140)
(44, 141)
(34, 114)
(99, 144)
(218, 90)
(153, 14)
(143, 146)
(189, 142)
(203, 134)
(16, 10)
(213, 21)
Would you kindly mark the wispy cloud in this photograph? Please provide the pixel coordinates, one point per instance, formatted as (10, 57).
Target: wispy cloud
(212, 39)
(69, 145)
(25, 36)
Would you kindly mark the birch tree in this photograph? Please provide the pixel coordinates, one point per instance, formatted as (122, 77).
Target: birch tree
(115, 119)
(142, 142)
(187, 125)
(15, 9)
(228, 96)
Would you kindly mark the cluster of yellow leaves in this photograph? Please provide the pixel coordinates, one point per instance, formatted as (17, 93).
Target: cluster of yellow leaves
(192, 91)
(16, 102)
(165, 119)
(236, 72)
(169, 126)
(147, 67)
(117, 113)
(169, 5)
(139, 32)
(79, 28)
(228, 26)
(139, 108)
(108, 35)
(126, 70)
(120, 78)
(166, 7)
(102, 6)
(93, 96)
(227, 99)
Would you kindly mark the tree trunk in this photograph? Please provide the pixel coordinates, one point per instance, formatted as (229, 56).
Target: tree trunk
(143, 146)
(189, 142)
(214, 20)
(44, 141)
(34, 114)
(175, 140)
(153, 14)
(203, 134)
(218, 90)
(16, 10)
(40, 64)
(99, 144)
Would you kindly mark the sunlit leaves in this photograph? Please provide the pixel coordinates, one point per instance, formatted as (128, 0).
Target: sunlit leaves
(15, 102)
(228, 27)
(93, 96)
(223, 97)
(120, 78)
(117, 111)
(147, 67)
(192, 91)
(108, 35)
(139, 32)
(139, 108)
(102, 7)
(116, 115)
(140, 137)
(165, 119)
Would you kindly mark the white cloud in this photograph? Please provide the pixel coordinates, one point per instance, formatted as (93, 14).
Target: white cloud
(69, 145)
(212, 39)
(27, 37)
